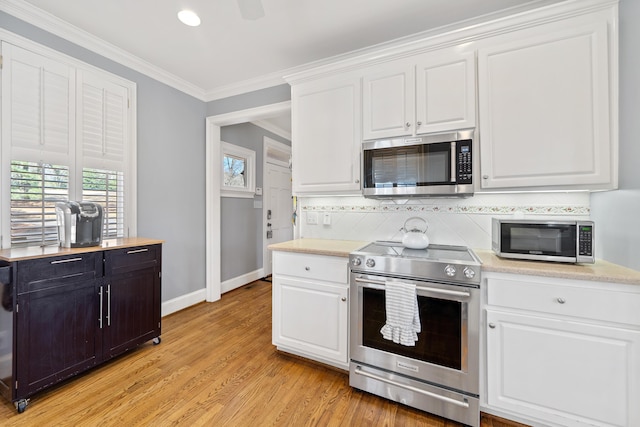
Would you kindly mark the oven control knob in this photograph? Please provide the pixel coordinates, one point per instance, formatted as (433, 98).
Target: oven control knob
(356, 261)
(450, 270)
(469, 273)
(370, 263)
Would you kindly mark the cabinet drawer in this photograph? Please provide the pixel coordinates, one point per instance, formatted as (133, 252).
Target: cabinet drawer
(566, 298)
(40, 273)
(308, 266)
(131, 259)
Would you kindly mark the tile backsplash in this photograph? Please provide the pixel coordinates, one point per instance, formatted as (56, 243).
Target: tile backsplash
(451, 221)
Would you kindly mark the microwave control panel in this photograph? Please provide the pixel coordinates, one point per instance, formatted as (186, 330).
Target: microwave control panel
(585, 239)
(464, 164)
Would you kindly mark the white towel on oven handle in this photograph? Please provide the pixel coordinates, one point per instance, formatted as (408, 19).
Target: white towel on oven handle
(403, 319)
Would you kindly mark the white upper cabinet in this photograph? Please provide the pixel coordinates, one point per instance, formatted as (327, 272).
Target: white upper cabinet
(431, 92)
(445, 92)
(545, 107)
(326, 138)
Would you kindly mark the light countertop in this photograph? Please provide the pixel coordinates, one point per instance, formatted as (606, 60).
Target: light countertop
(600, 271)
(319, 246)
(33, 252)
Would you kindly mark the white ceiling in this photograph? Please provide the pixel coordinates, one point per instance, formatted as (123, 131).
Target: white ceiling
(227, 53)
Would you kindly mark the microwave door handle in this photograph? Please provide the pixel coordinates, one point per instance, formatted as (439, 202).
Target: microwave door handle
(453, 162)
(379, 284)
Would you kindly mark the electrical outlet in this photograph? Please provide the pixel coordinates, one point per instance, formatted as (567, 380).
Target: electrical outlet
(312, 218)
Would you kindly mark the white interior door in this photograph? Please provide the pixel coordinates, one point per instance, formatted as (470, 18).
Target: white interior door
(277, 206)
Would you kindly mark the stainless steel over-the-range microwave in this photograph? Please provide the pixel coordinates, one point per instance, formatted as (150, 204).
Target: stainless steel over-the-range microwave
(429, 165)
(544, 240)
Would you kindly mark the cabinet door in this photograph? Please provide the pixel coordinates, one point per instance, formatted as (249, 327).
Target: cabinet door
(311, 318)
(564, 373)
(545, 107)
(132, 298)
(326, 121)
(57, 334)
(445, 92)
(388, 101)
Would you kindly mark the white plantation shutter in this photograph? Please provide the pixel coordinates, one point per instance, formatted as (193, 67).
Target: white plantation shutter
(102, 122)
(39, 105)
(68, 133)
(35, 189)
(107, 188)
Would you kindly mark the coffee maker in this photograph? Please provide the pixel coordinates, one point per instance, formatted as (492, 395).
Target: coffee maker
(79, 224)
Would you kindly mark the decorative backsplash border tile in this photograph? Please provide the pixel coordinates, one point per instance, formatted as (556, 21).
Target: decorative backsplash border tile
(454, 209)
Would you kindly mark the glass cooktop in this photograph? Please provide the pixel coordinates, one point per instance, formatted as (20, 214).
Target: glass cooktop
(432, 253)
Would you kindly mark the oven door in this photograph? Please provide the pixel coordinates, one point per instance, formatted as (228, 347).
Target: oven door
(447, 349)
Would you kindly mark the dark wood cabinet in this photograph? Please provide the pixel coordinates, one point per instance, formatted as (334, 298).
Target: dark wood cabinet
(132, 286)
(72, 312)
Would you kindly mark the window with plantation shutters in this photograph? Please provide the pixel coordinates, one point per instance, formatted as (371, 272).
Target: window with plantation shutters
(66, 135)
(107, 188)
(35, 190)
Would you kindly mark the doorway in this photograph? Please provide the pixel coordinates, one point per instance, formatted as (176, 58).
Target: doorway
(213, 182)
(277, 200)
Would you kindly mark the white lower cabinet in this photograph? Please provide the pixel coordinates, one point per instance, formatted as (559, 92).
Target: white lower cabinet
(550, 362)
(310, 306)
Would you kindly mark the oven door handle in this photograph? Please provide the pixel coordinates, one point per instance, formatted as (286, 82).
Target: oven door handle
(381, 283)
(358, 370)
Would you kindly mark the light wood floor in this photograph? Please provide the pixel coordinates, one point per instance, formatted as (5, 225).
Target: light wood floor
(216, 366)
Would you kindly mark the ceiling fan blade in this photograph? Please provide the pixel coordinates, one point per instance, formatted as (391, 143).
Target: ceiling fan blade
(251, 9)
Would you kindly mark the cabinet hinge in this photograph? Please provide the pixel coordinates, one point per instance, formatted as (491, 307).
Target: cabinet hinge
(0, 62)
(17, 308)
(16, 383)
(160, 274)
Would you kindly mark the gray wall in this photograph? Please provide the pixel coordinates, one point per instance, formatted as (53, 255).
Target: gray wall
(240, 222)
(171, 164)
(258, 98)
(616, 213)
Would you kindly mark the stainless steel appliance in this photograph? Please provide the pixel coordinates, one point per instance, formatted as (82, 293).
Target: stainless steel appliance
(79, 224)
(429, 165)
(544, 240)
(440, 373)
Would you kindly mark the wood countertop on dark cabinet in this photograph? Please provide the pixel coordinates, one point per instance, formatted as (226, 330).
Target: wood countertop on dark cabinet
(67, 310)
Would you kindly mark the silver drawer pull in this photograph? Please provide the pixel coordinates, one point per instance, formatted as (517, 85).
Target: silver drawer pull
(137, 251)
(561, 300)
(64, 261)
(445, 399)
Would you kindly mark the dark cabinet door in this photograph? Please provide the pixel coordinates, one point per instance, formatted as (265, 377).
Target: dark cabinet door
(132, 308)
(58, 334)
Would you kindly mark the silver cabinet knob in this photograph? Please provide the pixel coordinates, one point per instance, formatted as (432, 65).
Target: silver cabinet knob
(485, 176)
(408, 124)
(357, 181)
(561, 300)
(307, 268)
(492, 325)
(419, 123)
(343, 298)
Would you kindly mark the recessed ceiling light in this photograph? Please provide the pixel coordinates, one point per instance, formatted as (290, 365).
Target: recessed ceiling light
(189, 18)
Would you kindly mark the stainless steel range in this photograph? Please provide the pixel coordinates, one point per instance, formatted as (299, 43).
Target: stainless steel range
(438, 373)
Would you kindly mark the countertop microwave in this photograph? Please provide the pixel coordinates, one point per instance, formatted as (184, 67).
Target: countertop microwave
(428, 165)
(544, 240)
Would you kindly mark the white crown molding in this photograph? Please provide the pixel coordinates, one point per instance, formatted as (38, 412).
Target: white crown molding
(45, 21)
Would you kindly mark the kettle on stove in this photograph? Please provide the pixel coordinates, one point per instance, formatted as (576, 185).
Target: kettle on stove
(416, 236)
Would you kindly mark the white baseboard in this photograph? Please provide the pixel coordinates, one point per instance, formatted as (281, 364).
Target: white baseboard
(184, 301)
(236, 282)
